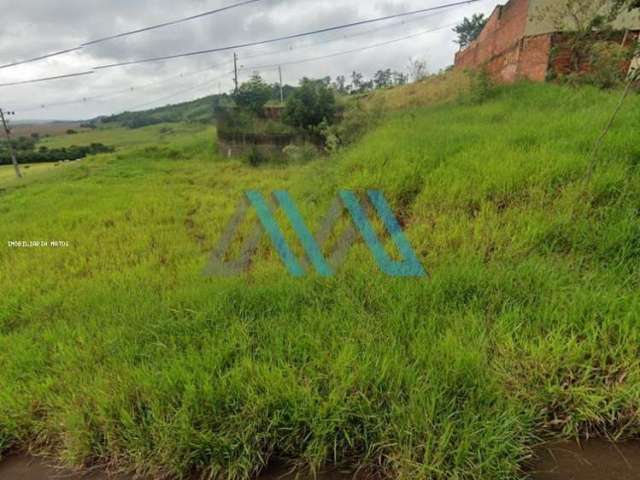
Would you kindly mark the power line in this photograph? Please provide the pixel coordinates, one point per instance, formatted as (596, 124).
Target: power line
(346, 52)
(256, 67)
(286, 37)
(132, 32)
(198, 86)
(207, 83)
(117, 93)
(46, 79)
(264, 54)
(341, 38)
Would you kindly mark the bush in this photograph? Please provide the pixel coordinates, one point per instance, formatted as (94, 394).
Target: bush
(300, 153)
(608, 62)
(358, 119)
(256, 157)
(482, 86)
(310, 105)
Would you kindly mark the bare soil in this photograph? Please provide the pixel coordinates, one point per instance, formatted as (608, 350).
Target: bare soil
(589, 460)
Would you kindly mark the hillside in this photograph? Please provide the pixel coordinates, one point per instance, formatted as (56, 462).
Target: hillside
(116, 350)
(200, 110)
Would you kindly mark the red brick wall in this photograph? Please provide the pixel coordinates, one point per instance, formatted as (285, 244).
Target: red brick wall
(504, 30)
(534, 57)
(508, 56)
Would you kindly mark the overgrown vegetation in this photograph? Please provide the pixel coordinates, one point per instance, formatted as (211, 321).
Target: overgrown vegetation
(312, 104)
(598, 55)
(117, 352)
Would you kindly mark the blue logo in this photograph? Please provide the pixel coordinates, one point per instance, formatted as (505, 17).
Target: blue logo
(347, 201)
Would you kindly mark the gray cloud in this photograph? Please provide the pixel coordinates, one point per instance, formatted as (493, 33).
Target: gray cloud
(34, 27)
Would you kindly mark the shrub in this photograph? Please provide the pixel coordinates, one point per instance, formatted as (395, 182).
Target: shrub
(257, 157)
(359, 117)
(300, 153)
(608, 60)
(482, 86)
(310, 105)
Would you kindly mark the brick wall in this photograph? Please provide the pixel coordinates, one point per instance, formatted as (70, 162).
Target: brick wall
(504, 29)
(534, 57)
(509, 53)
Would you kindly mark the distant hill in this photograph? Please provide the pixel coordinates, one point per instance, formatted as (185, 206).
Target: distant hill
(200, 110)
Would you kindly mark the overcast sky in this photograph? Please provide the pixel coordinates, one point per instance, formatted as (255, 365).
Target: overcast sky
(30, 28)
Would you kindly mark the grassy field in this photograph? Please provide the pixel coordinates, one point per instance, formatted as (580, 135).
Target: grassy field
(116, 351)
(8, 173)
(42, 129)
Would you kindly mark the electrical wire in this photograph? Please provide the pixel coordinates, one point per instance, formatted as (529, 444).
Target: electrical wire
(46, 79)
(265, 54)
(132, 32)
(346, 52)
(286, 37)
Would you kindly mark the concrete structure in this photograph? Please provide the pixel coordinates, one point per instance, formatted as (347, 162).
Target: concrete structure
(519, 41)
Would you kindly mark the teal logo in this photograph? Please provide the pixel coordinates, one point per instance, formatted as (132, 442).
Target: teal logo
(312, 244)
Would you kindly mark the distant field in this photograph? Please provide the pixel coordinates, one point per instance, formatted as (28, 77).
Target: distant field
(116, 351)
(53, 129)
(123, 137)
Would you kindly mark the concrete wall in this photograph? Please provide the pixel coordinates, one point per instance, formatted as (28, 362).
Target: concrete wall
(539, 24)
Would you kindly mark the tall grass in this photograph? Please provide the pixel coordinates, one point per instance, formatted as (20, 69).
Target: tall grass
(117, 351)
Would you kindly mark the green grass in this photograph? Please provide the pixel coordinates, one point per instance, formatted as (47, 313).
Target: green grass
(8, 173)
(117, 351)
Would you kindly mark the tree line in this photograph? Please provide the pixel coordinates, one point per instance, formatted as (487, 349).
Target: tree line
(26, 151)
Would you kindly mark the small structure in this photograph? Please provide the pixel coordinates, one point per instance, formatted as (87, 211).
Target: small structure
(274, 111)
(517, 43)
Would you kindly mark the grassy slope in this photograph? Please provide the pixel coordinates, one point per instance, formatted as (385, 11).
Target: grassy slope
(118, 351)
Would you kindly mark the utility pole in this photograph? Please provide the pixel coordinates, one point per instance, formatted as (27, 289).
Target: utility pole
(281, 87)
(235, 70)
(7, 133)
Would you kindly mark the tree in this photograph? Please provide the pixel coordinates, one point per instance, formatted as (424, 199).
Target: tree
(469, 29)
(417, 69)
(383, 78)
(356, 81)
(340, 84)
(400, 78)
(310, 105)
(253, 95)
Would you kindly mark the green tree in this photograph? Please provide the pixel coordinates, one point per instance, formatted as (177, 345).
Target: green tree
(310, 105)
(400, 78)
(383, 78)
(253, 95)
(340, 84)
(357, 80)
(469, 29)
